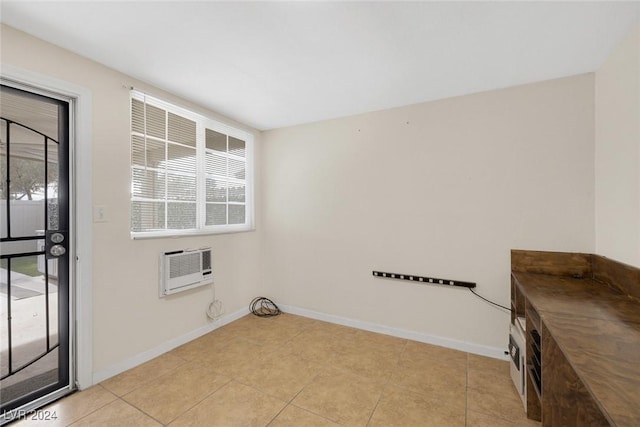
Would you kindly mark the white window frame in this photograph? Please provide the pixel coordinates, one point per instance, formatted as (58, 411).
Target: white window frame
(202, 123)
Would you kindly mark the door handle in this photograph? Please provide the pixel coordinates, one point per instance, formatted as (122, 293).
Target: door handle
(55, 243)
(57, 237)
(57, 250)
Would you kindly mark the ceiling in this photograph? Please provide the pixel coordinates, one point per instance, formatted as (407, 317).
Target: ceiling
(277, 64)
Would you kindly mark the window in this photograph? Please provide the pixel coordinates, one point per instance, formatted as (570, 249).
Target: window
(189, 174)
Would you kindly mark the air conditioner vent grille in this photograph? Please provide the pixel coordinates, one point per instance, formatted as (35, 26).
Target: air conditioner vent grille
(184, 264)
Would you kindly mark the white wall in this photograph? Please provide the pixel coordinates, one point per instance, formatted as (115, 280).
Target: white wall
(129, 318)
(618, 152)
(442, 189)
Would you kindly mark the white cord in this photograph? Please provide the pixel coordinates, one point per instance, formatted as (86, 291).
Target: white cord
(215, 309)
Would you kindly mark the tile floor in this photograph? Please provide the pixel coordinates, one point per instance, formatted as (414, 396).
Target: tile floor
(294, 371)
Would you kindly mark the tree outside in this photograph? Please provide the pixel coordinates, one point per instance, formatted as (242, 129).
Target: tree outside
(27, 178)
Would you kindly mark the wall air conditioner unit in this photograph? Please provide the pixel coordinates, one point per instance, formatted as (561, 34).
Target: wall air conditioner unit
(185, 269)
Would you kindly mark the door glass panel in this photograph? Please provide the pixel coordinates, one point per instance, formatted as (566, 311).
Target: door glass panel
(19, 247)
(33, 329)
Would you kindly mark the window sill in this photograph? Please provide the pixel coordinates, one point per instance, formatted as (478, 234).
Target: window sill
(172, 234)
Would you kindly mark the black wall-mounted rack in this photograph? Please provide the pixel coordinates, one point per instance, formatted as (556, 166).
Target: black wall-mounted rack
(422, 279)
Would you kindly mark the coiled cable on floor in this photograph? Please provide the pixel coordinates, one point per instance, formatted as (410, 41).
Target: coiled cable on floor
(264, 307)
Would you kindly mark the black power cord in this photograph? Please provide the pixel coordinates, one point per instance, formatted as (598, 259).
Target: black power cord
(489, 301)
(264, 307)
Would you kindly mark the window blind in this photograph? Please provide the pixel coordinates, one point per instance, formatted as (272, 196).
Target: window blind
(188, 173)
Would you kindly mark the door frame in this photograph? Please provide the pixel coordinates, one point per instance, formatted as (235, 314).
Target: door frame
(80, 210)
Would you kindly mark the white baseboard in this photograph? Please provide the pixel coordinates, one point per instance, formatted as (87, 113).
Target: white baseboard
(495, 352)
(141, 358)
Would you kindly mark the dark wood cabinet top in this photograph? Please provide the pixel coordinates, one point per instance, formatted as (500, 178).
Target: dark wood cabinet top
(596, 326)
(580, 297)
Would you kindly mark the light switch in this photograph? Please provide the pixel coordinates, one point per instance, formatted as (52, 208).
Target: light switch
(99, 214)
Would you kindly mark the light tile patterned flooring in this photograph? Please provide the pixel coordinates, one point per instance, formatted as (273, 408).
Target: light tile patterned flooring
(294, 371)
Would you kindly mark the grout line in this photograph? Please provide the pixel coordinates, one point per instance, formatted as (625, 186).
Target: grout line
(77, 392)
(145, 381)
(315, 413)
(290, 402)
(276, 415)
(306, 385)
(200, 401)
(73, 421)
(377, 403)
(386, 384)
(286, 405)
(143, 411)
(238, 381)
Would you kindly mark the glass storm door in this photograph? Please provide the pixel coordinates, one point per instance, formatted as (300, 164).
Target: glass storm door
(34, 248)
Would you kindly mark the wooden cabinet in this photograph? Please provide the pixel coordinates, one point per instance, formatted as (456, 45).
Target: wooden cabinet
(582, 337)
(534, 364)
(566, 400)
